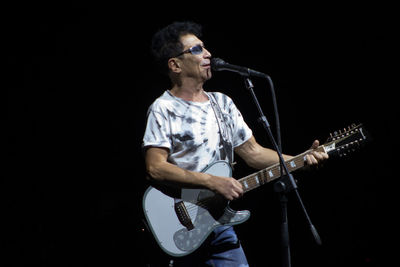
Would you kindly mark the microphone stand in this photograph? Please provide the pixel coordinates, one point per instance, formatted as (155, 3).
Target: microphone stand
(286, 183)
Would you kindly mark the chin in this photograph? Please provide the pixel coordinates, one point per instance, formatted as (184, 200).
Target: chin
(208, 75)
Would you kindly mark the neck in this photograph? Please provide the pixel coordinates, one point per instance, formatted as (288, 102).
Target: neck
(189, 92)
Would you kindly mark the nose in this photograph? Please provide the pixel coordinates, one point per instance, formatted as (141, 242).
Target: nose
(206, 53)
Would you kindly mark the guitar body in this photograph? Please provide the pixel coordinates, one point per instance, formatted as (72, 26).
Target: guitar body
(203, 209)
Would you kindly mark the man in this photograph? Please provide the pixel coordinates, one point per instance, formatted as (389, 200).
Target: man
(189, 128)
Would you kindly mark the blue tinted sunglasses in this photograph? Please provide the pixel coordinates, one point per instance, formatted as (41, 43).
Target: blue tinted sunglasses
(194, 50)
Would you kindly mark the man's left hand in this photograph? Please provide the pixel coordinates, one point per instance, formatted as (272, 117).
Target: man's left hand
(315, 157)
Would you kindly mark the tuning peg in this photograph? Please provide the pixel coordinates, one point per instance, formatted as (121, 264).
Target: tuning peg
(330, 138)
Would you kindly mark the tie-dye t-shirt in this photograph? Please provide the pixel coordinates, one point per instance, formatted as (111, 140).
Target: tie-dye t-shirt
(190, 130)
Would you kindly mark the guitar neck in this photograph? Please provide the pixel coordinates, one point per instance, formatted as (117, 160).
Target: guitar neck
(273, 172)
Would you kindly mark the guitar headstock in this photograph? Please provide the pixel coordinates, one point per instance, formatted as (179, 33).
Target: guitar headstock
(347, 140)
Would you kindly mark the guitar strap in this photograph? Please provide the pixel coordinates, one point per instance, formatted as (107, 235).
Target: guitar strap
(225, 134)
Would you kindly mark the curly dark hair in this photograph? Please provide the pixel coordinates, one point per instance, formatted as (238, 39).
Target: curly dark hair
(166, 42)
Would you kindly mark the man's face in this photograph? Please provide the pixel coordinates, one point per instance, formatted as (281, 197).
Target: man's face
(195, 66)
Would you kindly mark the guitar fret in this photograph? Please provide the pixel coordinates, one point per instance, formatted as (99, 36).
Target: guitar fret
(252, 181)
(275, 172)
(264, 177)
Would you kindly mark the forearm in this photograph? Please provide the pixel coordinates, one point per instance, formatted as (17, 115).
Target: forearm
(258, 157)
(165, 172)
(264, 158)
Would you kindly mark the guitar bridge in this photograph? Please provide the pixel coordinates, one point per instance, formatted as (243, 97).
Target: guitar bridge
(183, 215)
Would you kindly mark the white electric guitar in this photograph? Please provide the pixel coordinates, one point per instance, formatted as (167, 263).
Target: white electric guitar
(180, 225)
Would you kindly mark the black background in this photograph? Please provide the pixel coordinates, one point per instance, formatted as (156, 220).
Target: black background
(80, 78)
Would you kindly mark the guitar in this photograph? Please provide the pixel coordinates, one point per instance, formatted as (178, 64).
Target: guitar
(180, 225)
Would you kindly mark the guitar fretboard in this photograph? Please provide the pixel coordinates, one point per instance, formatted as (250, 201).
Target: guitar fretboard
(273, 172)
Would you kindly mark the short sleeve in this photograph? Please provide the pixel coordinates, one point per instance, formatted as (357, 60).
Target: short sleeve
(241, 131)
(157, 130)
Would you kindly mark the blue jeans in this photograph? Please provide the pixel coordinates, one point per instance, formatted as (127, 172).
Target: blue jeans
(221, 249)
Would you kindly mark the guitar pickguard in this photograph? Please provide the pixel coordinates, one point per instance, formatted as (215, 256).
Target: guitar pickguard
(204, 224)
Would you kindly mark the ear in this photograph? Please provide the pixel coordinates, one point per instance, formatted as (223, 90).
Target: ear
(174, 65)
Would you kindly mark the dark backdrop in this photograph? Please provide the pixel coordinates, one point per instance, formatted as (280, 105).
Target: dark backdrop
(80, 79)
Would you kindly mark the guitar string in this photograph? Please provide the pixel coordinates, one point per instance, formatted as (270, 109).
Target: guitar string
(251, 181)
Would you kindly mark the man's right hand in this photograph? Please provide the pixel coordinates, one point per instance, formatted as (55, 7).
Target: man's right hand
(228, 187)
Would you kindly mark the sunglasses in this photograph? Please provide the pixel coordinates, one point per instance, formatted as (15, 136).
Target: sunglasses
(194, 50)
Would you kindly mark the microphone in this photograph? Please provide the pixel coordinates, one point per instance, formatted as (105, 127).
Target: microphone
(218, 64)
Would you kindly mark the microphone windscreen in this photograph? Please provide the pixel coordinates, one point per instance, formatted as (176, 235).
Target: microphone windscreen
(216, 63)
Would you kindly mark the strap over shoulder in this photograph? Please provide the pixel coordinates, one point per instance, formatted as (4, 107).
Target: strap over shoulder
(226, 136)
